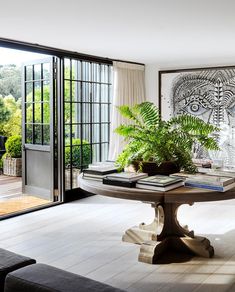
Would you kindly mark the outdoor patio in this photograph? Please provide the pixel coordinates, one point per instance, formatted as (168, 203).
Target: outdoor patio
(11, 198)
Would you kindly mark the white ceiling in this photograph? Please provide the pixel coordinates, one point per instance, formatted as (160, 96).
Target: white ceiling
(148, 31)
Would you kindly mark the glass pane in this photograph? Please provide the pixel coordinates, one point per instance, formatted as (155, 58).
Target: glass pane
(46, 91)
(104, 132)
(86, 133)
(67, 113)
(104, 151)
(96, 133)
(29, 113)
(95, 152)
(37, 112)
(77, 70)
(29, 134)
(37, 71)
(86, 71)
(74, 69)
(67, 134)
(104, 93)
(29, 72)
(104, 113)
(46, 112)
(86, 115)
(37, 134)
(37, 91)
(95, 113)
(74, 92)
(77, 91)
(46, 71)
(67, 68)
(29, 91)
(76, 141)
(86, 92)
(96, 92)
(67, 90)
(46, 135)
(76, 133)
(75, 113)
(96, 72)
(104, 73)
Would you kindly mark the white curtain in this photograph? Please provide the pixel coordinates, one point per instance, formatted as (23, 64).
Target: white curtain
(129, 89)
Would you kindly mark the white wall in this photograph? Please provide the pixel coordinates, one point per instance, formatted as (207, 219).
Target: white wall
(151, 71)
(151, 82)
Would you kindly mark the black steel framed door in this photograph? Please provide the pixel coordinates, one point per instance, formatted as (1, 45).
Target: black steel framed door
(39, 129)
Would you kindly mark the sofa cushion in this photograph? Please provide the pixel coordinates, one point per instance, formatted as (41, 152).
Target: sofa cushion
(45, 278)
(9, 262)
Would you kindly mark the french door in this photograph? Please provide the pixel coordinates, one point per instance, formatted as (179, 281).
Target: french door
(39, 129)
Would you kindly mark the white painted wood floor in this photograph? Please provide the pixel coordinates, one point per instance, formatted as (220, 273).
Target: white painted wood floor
(84, 237)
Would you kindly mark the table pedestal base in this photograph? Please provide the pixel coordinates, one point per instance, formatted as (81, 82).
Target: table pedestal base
(165, 233)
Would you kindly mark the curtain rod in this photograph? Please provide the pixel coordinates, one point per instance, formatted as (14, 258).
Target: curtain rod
(34, 47)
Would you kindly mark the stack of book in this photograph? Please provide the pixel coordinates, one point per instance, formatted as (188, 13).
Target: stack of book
(98, 171)
(160, 183)
(216, 183)
(123, 179)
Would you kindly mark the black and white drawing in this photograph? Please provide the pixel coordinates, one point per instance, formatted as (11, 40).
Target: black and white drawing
(208, 94)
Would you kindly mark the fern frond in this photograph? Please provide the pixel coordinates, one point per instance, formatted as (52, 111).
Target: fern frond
(149, 113)
(129, 113)
(125, 130)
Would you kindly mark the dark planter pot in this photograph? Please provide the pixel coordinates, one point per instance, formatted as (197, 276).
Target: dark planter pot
(151, 168)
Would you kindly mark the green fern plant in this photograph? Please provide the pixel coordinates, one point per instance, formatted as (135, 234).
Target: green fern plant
(152, 139)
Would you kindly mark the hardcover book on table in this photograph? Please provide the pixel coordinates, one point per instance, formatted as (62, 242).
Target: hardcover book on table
(211, 180)
(93, 176)
(210, 187)
(160, 188)
(126, 184)
(159, 180)
(100, 170)
(126, 176)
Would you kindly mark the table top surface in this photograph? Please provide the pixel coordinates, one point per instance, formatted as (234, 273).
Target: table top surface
(178, 195)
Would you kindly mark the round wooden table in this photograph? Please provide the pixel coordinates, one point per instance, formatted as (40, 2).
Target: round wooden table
(164, 232)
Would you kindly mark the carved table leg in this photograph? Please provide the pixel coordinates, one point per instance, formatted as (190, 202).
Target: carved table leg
(174, 237)
(145, 232)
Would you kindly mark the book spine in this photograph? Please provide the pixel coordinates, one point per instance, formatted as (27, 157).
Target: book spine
(91, 171)
(203, 186)
(119, 183)
(205, 182)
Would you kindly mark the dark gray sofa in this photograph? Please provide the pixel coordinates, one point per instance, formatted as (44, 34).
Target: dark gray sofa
(44, 278)
(9, 262)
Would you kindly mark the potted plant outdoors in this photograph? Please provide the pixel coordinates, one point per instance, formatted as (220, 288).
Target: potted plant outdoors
(156, 146)
(12, 161)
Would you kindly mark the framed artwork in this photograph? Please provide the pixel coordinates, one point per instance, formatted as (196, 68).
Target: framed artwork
(209, 94)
